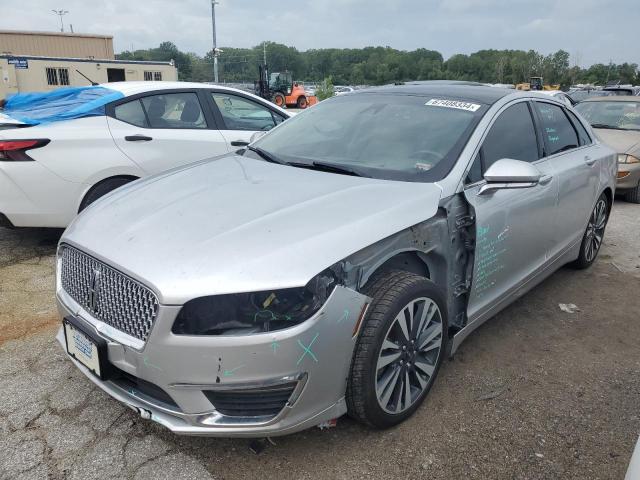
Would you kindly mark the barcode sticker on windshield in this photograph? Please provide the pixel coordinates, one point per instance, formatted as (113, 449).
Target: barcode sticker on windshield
(469, 107)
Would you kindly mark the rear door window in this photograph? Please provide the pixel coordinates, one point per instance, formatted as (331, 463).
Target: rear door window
(558, 133)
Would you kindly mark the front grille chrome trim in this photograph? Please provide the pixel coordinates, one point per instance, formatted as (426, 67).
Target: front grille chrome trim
(108, 295)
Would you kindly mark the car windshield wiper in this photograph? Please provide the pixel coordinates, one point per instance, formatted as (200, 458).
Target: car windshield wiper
(329, 167)
(604, 125)
(269, 157)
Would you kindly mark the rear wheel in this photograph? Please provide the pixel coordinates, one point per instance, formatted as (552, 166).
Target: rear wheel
(399, 351)
(593, 235)
(101, 189)
(279, 99)
(633, 195)
(302, 102)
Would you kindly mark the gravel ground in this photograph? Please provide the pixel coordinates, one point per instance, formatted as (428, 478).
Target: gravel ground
(536, 393)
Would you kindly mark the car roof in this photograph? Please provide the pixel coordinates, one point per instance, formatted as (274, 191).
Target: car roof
(613, 98)
(133, 88)
(476, 93)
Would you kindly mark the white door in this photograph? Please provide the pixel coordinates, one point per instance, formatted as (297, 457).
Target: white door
(165, 130)
(241, 117)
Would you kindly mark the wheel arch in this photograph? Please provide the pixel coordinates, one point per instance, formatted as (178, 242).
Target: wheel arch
(96, 185)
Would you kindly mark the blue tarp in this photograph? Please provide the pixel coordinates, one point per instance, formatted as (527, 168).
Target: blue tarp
(60, 104)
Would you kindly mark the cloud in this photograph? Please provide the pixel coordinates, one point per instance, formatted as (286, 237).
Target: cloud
(590, 29)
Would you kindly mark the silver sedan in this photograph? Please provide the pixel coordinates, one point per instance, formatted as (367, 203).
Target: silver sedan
(330, 266)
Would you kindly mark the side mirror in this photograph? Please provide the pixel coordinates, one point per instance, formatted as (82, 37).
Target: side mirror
(508, 173)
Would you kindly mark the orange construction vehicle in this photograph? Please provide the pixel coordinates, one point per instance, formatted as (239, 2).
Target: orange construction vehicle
(280, 89)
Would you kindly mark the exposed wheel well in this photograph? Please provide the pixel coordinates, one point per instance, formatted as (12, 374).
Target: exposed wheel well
(87, 195)
(406, 261)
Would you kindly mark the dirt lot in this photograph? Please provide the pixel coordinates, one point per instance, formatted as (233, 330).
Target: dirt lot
(536, 393)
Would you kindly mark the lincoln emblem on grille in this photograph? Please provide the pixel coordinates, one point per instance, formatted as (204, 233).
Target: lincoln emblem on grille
(94, 287)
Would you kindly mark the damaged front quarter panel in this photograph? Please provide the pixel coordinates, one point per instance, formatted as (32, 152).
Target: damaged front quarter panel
(440, 248)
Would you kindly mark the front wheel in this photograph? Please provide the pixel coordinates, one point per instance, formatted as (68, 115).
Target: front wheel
(594, 234)
(399, 350)
(302, 102)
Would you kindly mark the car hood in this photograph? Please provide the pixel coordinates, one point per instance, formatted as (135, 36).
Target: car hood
(236, 224)
(622, 141)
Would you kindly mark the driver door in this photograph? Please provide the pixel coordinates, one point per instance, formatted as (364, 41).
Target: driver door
(240, 117)
(514, 226)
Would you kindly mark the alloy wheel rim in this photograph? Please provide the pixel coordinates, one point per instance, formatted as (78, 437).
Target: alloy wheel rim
(595, 230)
(409, 355)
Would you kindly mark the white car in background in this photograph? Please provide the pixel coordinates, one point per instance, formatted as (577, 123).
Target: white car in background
(52, 171)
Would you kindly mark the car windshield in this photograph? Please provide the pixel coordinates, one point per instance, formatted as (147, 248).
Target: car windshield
(390, 136)
(616, 115)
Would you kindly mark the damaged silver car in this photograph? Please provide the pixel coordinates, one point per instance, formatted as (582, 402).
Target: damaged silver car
(330, 266)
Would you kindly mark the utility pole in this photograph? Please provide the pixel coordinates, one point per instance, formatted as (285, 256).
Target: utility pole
(264, 52)
(60, 13)
(215, 45)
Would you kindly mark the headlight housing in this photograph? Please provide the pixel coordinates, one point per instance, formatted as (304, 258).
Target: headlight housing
(254, 312)
(624, 158)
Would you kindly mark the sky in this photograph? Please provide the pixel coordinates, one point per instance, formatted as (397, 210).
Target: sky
(592, 31)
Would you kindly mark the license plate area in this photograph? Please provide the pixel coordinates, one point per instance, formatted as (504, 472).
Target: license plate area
(86, 347)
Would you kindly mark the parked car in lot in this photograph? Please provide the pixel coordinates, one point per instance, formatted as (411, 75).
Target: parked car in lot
(267, 292)
(616, 121)
(582, 94)
(50, 172)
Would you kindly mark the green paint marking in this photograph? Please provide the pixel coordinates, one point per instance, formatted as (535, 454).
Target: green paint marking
(307, 350)
(228, 373)
(345, 316)
(275, 345)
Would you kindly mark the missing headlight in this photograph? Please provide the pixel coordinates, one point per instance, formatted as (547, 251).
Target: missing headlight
(254, 312)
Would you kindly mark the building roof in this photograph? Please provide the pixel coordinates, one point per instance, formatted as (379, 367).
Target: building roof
(57, 34)
(89, 60)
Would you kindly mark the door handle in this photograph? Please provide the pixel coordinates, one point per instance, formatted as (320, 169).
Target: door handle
(545, 179)
(239, 143)
(137, 138)
(589, 161)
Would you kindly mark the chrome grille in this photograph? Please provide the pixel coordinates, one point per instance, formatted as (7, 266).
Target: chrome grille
(109, 295)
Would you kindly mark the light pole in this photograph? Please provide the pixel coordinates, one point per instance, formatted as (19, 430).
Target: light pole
(60, 13)
(215, 46)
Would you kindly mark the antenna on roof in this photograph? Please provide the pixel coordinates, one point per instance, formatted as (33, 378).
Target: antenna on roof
(93, 84)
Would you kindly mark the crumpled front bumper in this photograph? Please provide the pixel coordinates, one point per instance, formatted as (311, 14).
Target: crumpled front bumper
(315, 354)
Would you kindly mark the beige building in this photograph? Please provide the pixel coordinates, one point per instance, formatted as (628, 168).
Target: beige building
(41, 61)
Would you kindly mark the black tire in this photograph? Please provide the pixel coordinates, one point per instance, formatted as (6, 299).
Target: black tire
(302, 102)
(633, 195)
(280, 100)
(101, 189)
(585, 260)
(391, 291)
